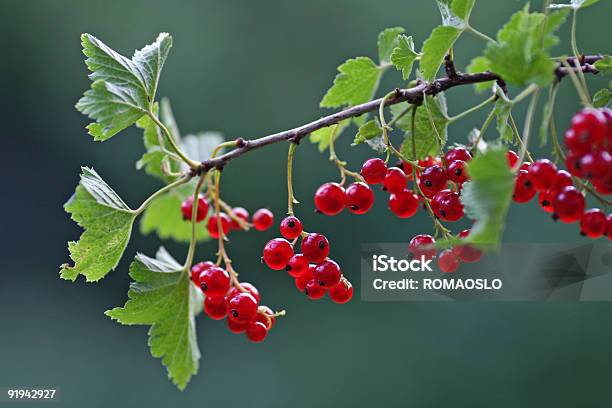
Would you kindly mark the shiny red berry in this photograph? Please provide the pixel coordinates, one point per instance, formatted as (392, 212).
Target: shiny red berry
(395, 180)
(327, 273)
(297, 265)
(265, 315)
(433, 179)
(568, 205)
(314, 290)
(603, 186)
(214, 281)
(330, 199)
(572, 163)
(542, 174)
(187, 208)
(448, 261)
(575, 144)
(291, 227)
(315, 247)
(456, 171)
(467, 252)
(304, 278)
(422, 245)
(250, 288)
(593, 223)
(241, 213)
(512, 158)
(263, 219)
(404, 204)
(545, 198)
(213, 227)
(373, 171)
(523, 189)
(359, 198)
(342, 292)
(256, 331)
(242, 307)
(276, 253)
(237, 327)
(447, 205)
(457, 153)
(590, 126)
(197, 269)
(215, 307)
(596, 165)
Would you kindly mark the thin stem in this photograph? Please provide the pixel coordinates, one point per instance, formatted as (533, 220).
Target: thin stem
(579, 89)
(483, 129)
(161, 191)
(244, 225)
(192, 164)
(291, 197)
(339, 163)
(221, 146)
(594, 193)
(480, 35)
(525, 93)
(472, 109)
(517, 135)
(383, 124)
(432, 122)
(527, 130)
(573, 34)
(194, 213)
(400, 115)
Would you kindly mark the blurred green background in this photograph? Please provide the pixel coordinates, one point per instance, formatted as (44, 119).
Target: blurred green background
(248, 69)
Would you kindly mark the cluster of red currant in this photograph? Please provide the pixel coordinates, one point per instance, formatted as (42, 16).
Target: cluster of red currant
(239, 302)
(315, 274)
(588, 160)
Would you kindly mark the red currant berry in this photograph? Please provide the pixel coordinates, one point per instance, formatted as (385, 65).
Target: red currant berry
(263, 219)
(448, 261)
(256, 331)
(265, 315)
(603, 186)
(197, 269)
(314, 290)
(596, 165)
(242, 307)
(467, 252)
(572, 163)
(187, 208)
(542, 174)
(277, 253)
(373, 171)
(422, 245)
(250, 288)
(575, 144)
(213, 225)
(237, 327)
(330, 199)
(404, 204)
(433, 179)
(395, 180)
(241, 213)
(593, 223)
(215, 307)
(456, 171)
(609, 230)
(512, 157)
(297, 265)
(342, 292)
(545, 198)
(590, 126)
(291, 227)
(359, 198)
(214, 281)
(304, 278)
(315, 247)
(457, 153)
(447, 205)
(523, 189)
(428, 161)
(327, 273)
(568, 205)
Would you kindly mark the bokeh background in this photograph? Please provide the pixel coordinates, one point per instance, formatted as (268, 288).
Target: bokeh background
(249, 68)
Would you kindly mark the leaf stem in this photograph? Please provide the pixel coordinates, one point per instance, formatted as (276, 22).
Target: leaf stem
(573, 34)
(483, 129)
(161, 191)
(472, 109)
(194, 213)
(192, 164)
(582, 93)
(339, 163)
(291, 198)
(527, 130)
(478, 34)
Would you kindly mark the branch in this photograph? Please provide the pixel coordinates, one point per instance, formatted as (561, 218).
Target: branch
(412, 95)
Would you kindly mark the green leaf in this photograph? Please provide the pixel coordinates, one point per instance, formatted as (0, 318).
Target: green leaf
(404, 55)
(323, 136)
(107, 221)
(356, 83)
(480, 64)
(160, 297)
(435, 48)
(123, 89)
(602, 97)
(503, 108)
(387, 41)
(487, 196)
(519, 55)
(201, 146)
(575, 4)
(429, 140)
(163, 216)
(455, 13)
(604, 65)
(367, 131)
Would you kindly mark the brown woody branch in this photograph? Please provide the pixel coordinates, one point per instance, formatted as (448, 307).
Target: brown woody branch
(412, 95)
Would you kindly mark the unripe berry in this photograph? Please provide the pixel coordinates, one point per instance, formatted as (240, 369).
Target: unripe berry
(327, 273)
(542, 174)
(422, 245)
(330, 199)
(359, 198)
(187, 208)
(568, 205)
(214, 281)
(315, 247)
(215, 307)
(241, 213)
(593, 223)
(373, 171)
(448, 261)
(277, 253)
(342, 292)
(213, 227)
(404, 204)
(263, 219)
(297, 265)
(433, 179)
(456, 171)
(523, 189)
(291, 227)
(256, 331)
(457, 153)
(242, 307)
(314, 290)
(395, 180)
